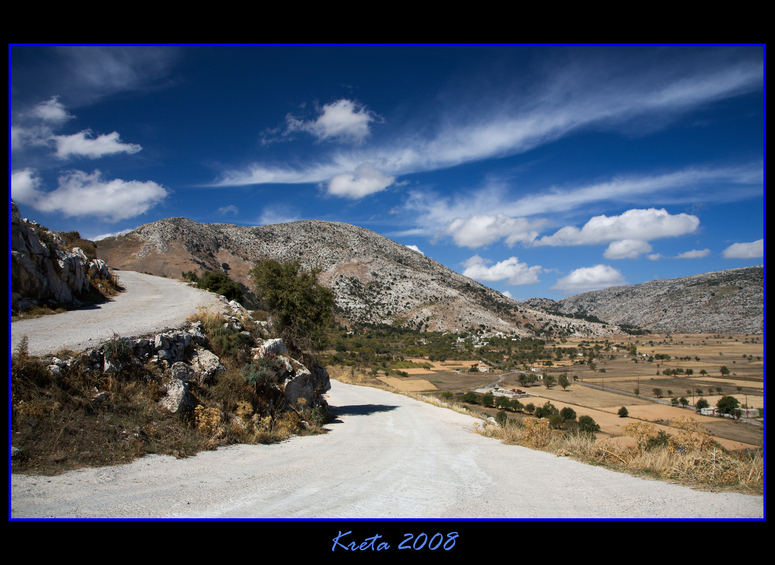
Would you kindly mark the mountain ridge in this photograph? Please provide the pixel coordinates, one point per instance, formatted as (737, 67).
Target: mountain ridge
(726, 301)
(375, 280)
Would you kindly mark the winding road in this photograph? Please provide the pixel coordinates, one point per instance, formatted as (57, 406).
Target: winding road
(149, 304)
(385, 456)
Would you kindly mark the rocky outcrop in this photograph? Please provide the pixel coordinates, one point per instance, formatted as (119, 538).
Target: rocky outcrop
(182, 358)
(43, 270)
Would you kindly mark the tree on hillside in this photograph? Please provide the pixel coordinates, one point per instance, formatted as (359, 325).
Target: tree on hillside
(300, 309)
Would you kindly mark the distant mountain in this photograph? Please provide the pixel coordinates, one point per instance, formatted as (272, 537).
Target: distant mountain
(374, 279)
(729, 301)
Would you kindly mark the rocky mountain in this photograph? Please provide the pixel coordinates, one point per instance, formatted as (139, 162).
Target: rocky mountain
(374, 279)
(377, 280)
(729, 301)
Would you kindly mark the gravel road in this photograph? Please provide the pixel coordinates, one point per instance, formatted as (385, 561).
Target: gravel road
(386, 456)
(149, 304)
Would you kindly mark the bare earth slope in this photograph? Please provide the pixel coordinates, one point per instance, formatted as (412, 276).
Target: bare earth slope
(149, 304)
(386, 456)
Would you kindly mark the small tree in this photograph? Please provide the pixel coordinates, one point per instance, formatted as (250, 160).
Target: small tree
(623, 412)
(568, 414)
(588, 425)
(727, 404)
(563, 381)
(300, 309)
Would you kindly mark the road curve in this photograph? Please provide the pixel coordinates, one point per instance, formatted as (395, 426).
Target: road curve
(385, 456)
(149, 304)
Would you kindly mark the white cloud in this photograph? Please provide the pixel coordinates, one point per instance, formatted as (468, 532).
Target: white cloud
(277, 214)
(590, 278)
(37, 130)
(643, 225)
(81, 194)
(51, 111)
(415, 248)
(750, 250)
(343, 120)
(573, 99)
(693, 254)
(627, 249)
(511, 269)
(364, 181)
(230, 209)
(113, 234)
(482, 229)
(82, 145)
(25, 186)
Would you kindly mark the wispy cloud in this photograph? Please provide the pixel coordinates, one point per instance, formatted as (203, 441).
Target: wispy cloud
(565, 104)
(481, 217)
(36, 128)
(364, 181)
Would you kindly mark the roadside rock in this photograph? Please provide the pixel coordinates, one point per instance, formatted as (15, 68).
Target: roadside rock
(41, 269)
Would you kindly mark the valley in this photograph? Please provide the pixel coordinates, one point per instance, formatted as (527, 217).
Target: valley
(657, 378)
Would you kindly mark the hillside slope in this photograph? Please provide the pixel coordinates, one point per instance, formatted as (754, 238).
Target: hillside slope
(377, 280)
(374, 279)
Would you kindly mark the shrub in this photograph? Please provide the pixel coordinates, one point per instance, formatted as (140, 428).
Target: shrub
(568, 414)
(299, 307)
(623, 412)
(219, 283)
(588, 425)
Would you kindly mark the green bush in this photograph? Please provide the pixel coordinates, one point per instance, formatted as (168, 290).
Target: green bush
(300, 308)
(219, 283)
(588, 425)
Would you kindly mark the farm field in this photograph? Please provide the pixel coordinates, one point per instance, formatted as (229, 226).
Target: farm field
(641, 373)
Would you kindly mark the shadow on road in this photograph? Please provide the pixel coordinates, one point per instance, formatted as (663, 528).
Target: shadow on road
(361, 409)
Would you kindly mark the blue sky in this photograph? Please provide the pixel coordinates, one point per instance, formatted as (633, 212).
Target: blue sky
(540, 171)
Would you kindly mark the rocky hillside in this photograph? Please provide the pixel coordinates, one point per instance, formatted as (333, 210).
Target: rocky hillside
(730, 301)
(374, 279)
(45, 270)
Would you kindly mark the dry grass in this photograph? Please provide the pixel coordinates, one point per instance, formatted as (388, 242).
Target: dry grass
(688, 457)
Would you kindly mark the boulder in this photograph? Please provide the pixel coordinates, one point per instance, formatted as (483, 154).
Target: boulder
(177, 398)
(206, 365)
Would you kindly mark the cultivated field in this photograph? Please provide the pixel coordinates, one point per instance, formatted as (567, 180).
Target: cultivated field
(622, 377)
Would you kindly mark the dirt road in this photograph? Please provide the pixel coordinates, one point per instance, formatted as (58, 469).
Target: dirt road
(149, 304)
(385, 456)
